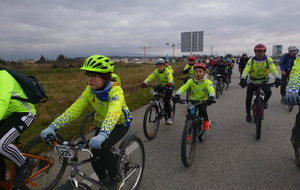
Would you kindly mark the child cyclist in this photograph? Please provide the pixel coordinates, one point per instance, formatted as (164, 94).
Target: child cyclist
(189, 68)
(113, 117)
(201, 89)
(165, 79)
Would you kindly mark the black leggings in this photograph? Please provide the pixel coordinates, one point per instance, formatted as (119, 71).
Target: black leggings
(167, 105)
(251, 90)
(202, 109)
(107, 165)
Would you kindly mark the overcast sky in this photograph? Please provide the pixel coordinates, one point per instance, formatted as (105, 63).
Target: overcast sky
(74, 28)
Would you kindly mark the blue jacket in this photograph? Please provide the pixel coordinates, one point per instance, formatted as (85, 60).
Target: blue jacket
(287, 62)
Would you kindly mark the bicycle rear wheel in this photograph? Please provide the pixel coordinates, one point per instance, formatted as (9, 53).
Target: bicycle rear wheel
(88, 127)
(131, 161)
(217, 90)
(290, 108)
(151, 121)
(173, 109)
(48, 178)
(259, 107)
(188, 143)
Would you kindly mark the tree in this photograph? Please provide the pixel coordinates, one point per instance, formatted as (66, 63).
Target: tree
(42, 59)
(61, 58)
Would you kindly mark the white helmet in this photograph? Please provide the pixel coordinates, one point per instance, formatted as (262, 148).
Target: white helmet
(292, 48)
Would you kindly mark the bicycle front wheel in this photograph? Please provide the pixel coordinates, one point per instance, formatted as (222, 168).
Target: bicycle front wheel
(259, 107)
(173, 109)
(70, 186)
(290, 108)
(188, 143)
(88, 127)
(151, 121)
(42, 153)
(217, 90)
(131, 161)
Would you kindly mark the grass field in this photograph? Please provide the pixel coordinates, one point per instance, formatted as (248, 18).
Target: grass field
(63, 86)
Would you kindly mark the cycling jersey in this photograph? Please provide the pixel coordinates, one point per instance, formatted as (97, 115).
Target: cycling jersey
(10, 87)
(294, 83)
(259, 70)
(163, 77)
(287, 62)
(199, 89)
(170, 68)
(108, 113)
(189, 70)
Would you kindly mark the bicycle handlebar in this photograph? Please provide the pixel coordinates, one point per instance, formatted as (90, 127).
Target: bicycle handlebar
(81, 144)
(260, 84)
(182, 101)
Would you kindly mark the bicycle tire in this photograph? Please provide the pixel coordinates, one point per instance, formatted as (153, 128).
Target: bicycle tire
(131, 163)
(173, 110)
(88, 127)
(297, 155)
(151, 121)
(188, 143)
(290, 108)
(202, 135)
(217, 90)
(259, 107)
(68, 186)
(50, 177)
(221, 87)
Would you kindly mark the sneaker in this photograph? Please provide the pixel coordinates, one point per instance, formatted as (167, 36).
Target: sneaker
(114, 184)
(23, 172)
(265, 105)
(248, 118)
(169, 121)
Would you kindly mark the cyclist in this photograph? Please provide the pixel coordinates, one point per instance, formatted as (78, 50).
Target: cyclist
(165, 79)
(189, 68)
(201, 89)
(113, 117)
(259, 67)
(168, 66)
(243, 62)
(229, 66)
(115, 78)
(15, 117)
(221, 69)
(286, 64)
(292, 98)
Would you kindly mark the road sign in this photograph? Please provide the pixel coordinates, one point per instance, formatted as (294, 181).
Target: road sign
(192, 41)
(277, 51)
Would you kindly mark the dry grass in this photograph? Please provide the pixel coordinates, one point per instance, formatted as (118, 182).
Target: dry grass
(63, 86)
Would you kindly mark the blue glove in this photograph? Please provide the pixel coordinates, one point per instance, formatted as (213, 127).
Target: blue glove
(96, 141)
(50, 130)
(291, 99)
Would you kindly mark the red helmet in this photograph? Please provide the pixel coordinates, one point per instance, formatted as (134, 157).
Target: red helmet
(260, 47)
(193, 58)
(200, 65)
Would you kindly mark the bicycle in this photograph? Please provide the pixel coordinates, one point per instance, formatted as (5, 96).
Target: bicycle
(155, 112)
(88, 126)
(45, 173)
(228, 79)
(193, 128)
(188, 92)
(219, 85)
(258, 105)
(130, 161)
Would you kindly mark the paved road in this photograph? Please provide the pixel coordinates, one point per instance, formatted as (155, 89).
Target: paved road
(230, 157)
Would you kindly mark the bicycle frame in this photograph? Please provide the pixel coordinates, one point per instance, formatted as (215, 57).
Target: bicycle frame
(157, 100)
(192, 110)
(8, 184)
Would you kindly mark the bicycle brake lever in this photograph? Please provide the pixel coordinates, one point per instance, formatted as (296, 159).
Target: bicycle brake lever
(86, 150)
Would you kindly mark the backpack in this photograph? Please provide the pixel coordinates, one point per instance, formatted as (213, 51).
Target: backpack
(32, 88)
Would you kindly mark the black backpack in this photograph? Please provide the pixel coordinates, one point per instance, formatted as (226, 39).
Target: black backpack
(34, 91)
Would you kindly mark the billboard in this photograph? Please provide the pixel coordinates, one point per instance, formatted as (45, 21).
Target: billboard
(192, 41)
(277, 51)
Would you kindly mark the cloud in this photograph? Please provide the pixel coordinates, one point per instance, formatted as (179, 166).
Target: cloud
(82, 28)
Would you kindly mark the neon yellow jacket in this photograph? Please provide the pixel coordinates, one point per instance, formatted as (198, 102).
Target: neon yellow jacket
(170, 68)
(294, 82)
(163, 78)
(200, 89)
(259, 70)
(108, 113)
(10, 87)
(190, 73)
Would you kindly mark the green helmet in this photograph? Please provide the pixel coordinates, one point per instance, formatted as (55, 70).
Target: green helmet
(98, 63)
